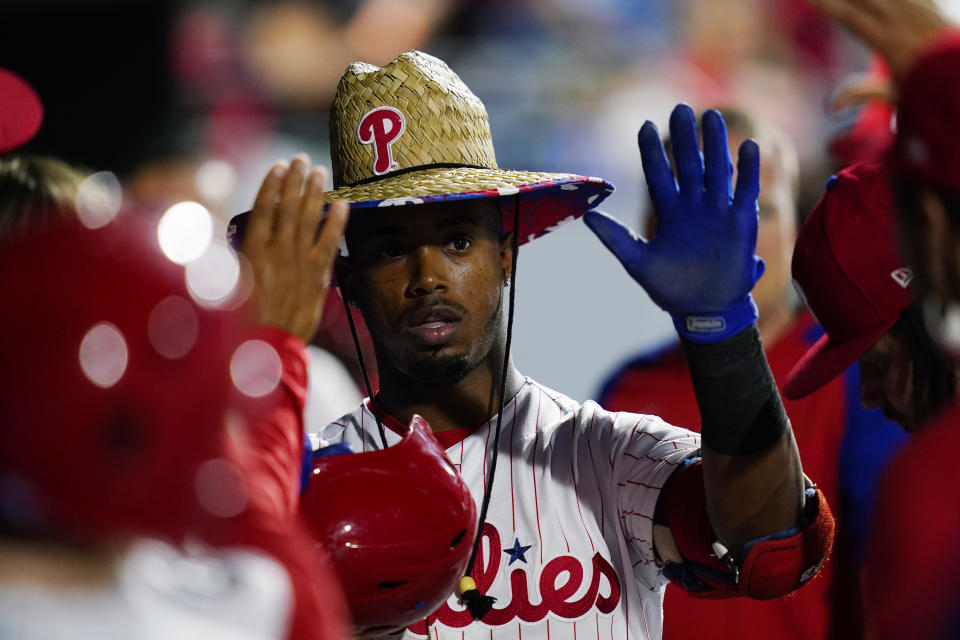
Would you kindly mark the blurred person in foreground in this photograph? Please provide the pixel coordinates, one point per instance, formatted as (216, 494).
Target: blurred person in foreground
(848, 267)
(841, 445)
(911, 576)
(149, 434)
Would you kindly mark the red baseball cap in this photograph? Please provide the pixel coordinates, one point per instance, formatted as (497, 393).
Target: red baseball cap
(21, 111)
(848, 269)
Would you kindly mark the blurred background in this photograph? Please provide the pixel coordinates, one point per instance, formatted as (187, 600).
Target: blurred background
(194, 100)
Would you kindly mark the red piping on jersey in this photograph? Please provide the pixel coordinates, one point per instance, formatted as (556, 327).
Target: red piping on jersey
(533, 466)
(576, 494)
(513, 507)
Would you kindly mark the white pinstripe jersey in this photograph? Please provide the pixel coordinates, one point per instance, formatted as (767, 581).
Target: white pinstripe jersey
(566, 548)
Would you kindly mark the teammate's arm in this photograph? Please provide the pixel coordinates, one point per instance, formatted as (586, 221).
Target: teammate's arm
(291, 263)
(701, 267)
(899, 30)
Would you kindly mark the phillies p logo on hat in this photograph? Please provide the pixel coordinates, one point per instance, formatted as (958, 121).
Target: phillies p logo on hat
(381, 127)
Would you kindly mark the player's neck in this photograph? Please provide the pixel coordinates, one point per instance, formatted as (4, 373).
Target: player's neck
(468, 402)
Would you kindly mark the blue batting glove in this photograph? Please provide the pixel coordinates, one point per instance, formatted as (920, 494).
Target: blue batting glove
(702, 262)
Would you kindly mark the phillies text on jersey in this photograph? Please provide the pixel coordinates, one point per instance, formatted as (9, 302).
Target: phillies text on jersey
(567, 545)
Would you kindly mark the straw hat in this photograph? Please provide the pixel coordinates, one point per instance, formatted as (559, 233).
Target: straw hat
(412, 132)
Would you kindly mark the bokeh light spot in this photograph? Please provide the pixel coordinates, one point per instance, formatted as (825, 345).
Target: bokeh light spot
(99, 198)
(220, 488)
(103, 355)
(173, 327)
(213, 276)
(185, 231)
(255, 368)
(216, 180)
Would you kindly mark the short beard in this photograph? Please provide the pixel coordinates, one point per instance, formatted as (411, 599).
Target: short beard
(441, 371)
(444, 371)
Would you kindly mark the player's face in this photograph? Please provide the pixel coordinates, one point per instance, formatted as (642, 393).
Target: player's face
(429, 280)
(886, 380)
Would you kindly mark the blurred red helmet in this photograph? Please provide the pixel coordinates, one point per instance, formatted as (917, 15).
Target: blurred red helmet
(21, 111)
(113, 386)
(399, 524)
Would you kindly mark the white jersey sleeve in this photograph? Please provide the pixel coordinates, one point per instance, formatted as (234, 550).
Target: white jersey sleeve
(640, 452)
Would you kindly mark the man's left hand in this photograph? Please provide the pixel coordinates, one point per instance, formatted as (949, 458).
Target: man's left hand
(702, 263)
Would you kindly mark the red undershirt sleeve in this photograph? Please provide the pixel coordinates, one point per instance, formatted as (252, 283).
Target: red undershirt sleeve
(270, 448)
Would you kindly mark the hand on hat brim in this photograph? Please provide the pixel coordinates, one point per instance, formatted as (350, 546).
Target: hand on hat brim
(291, 246)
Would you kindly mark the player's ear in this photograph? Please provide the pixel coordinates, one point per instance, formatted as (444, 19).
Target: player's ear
(345, 279)
(506, 255)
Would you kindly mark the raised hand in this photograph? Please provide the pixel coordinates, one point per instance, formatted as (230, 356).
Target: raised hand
(702, 263)
(899, 30)
(291, 246)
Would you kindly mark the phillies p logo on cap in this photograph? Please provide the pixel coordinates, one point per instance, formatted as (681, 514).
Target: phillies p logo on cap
(381, 127)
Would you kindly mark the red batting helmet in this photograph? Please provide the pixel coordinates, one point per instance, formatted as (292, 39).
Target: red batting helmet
(113, 386)
(399, 524)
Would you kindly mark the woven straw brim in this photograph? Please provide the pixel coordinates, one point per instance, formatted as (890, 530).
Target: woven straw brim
(546, 200)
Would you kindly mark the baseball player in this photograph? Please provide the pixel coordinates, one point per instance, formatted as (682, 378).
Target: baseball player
(917, 522)
(848, 265)
(584, 513)
(922, 483)
(911, 524)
